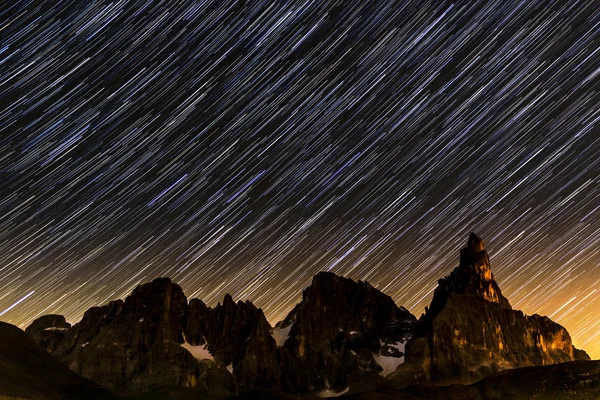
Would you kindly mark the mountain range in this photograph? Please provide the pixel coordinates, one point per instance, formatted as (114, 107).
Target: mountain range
(344, 338)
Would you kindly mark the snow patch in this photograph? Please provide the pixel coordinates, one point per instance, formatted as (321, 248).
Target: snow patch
(199, 352)
(330, 393)
(281, 334)
(389, 363)
(400, 345)
(85, 344)
(54, 328)
(230, 368)
(354, 333)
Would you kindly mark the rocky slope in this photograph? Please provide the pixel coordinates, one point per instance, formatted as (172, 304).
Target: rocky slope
(29, 372)
(341, 332)
(576, 380)
(470, 330)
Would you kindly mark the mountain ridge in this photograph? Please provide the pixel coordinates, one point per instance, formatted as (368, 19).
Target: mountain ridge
(341, 336)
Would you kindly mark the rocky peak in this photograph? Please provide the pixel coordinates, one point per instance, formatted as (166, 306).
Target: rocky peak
(337, 332)
(228, 299)
(159, 305)
(470, 330)
(239, 338)
(474, 261)
(475, 244)
(473, 276)
(130, 345)
(49, 321)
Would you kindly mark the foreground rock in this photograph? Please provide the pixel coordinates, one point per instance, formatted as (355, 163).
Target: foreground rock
(27, 371)
(470, 331)
(578, 380)
(341, 332)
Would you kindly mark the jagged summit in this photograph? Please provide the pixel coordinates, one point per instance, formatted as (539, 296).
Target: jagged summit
(342, 331)
(470, 330)
(473, 276)
(155, 337)
(228, 299)
(475, 244)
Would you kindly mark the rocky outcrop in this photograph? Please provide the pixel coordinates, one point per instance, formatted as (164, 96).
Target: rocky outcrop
(341, 332)
(473, 277)
(239, 337)
(470, 331)
(48, 331)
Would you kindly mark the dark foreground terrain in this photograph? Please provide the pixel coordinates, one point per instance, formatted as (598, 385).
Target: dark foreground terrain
(27, 371)
(577, 380)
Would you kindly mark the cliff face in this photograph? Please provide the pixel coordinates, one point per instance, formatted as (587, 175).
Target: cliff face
(470, 331)
(238, 336)
(340, 332)
(138, 344)
(473, 277)
(155, 338)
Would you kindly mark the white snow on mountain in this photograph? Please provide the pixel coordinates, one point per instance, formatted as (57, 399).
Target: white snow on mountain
(281, 334)
(199, 352)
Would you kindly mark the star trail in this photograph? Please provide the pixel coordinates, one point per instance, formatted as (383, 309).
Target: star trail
(242, 146)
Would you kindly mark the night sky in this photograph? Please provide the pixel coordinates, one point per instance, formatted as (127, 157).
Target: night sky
(242, 146)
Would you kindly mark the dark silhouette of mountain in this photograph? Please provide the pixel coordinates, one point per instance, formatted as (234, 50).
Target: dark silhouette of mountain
(342, 331)
(27, 371)
(344, 337)
(470, 330)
